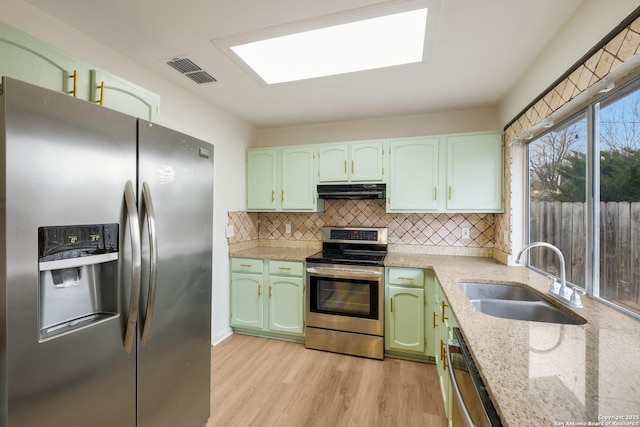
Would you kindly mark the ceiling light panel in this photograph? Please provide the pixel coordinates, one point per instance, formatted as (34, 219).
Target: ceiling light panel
(379, 42)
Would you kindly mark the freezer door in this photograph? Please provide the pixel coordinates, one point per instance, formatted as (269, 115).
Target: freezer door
(176, 177)
(66, 162)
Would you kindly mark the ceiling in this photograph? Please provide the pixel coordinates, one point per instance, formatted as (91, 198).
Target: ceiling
(479, 50)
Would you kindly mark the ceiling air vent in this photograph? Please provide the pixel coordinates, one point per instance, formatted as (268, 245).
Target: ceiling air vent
(191, 70)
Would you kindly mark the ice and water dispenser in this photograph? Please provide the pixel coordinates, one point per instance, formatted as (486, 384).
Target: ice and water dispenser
(78, 277)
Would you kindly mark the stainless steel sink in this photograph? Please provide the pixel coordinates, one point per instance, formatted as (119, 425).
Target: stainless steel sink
(515, 302)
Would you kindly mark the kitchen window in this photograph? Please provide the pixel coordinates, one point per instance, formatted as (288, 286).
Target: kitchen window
(584, 198)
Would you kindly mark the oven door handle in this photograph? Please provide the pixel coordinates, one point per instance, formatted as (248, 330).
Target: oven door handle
(342, 273)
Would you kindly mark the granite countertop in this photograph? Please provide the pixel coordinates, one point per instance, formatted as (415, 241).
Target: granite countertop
(275, 252)
(543, 374)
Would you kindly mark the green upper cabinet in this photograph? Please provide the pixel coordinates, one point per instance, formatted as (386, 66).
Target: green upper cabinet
(262, 182)
(298, 191)
(31, 60)
(474, 172)
(352, 162)
(367, 161)
(333, 163)
(413, 175)
(282, 179)
(28, 59)
(118, 94)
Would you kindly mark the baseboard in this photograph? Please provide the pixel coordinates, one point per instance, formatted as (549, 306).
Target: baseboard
(222, 336)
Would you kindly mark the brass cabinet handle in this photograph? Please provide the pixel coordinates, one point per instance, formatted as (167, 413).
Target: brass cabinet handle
(443, 317)
(270, 293)
(101, 99)
(273, 195)
(283, 195)
(74, 76)
(245, 265)
(435, 193)
(353, 166)
(449, 192)
(345, 166)
(259, 291)
(441, 350)
(435, 316)
(406, 278)
(391, 299)
(284, 268)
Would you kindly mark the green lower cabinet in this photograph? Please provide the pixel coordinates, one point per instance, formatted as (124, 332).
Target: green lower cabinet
(444, 321)
(405, 307)
(406, 319)
(267, 297)
(286, 302)
(246, 300)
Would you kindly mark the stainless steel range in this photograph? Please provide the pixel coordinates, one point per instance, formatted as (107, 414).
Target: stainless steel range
(345, 302)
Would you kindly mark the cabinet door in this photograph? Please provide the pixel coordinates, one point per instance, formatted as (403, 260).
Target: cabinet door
(262, 179)
(366, 161)
(118, 94)
(247, 300)
(286, 302)
(333, 163)
(413, 175)
(474, 172)
(298, 180)
(28, 59)
(406, 319)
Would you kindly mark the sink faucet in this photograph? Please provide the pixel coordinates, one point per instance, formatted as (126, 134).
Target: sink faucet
(563, 293)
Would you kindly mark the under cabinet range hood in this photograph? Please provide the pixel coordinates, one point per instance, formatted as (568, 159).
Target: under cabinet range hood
(352, 191)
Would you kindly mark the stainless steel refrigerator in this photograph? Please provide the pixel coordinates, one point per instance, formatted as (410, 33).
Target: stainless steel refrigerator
(106, 224)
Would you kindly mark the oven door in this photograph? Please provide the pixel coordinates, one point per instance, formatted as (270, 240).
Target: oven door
(346, 298)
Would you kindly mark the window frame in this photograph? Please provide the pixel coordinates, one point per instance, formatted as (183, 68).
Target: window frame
(590, 109)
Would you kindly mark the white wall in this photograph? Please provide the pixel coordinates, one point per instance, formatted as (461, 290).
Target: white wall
(484, 119)
(591, 22)
(178, 110)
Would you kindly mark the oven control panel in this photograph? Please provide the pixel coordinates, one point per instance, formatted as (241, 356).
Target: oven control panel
(355, 235)
(368, 235)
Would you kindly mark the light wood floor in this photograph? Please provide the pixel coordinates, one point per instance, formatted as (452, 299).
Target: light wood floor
(264, 382)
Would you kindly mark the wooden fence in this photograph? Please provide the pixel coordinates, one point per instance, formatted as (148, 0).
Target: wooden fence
(563, 224)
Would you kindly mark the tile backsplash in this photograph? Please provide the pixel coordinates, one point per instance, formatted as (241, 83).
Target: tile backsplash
(435, 230)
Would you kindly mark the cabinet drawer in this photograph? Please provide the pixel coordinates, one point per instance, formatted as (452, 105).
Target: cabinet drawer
(286, 268)
(406, 277)
(247, 265)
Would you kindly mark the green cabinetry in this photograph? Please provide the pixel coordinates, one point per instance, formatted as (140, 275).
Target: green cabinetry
(408, 296)
(443, 322)
(282, 179)
(413, 175)
(351, 162)
(267, 297)
(28, 59)
(446, 173)
(474, 172)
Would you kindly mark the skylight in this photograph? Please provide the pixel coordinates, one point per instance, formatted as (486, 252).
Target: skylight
(385, 41)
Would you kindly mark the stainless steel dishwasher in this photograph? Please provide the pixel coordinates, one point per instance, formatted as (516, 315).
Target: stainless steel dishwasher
(472, 406)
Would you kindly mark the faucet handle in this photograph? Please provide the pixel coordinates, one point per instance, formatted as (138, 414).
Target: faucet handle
(575, 300)
(554, 287)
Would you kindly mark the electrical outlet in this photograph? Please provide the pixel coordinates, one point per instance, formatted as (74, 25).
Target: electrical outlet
(465, 233)
(229, 230)
(287, 228)
(505, 237)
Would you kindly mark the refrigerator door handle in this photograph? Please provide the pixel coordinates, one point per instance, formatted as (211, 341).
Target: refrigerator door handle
(153, 259)
(132, 214)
